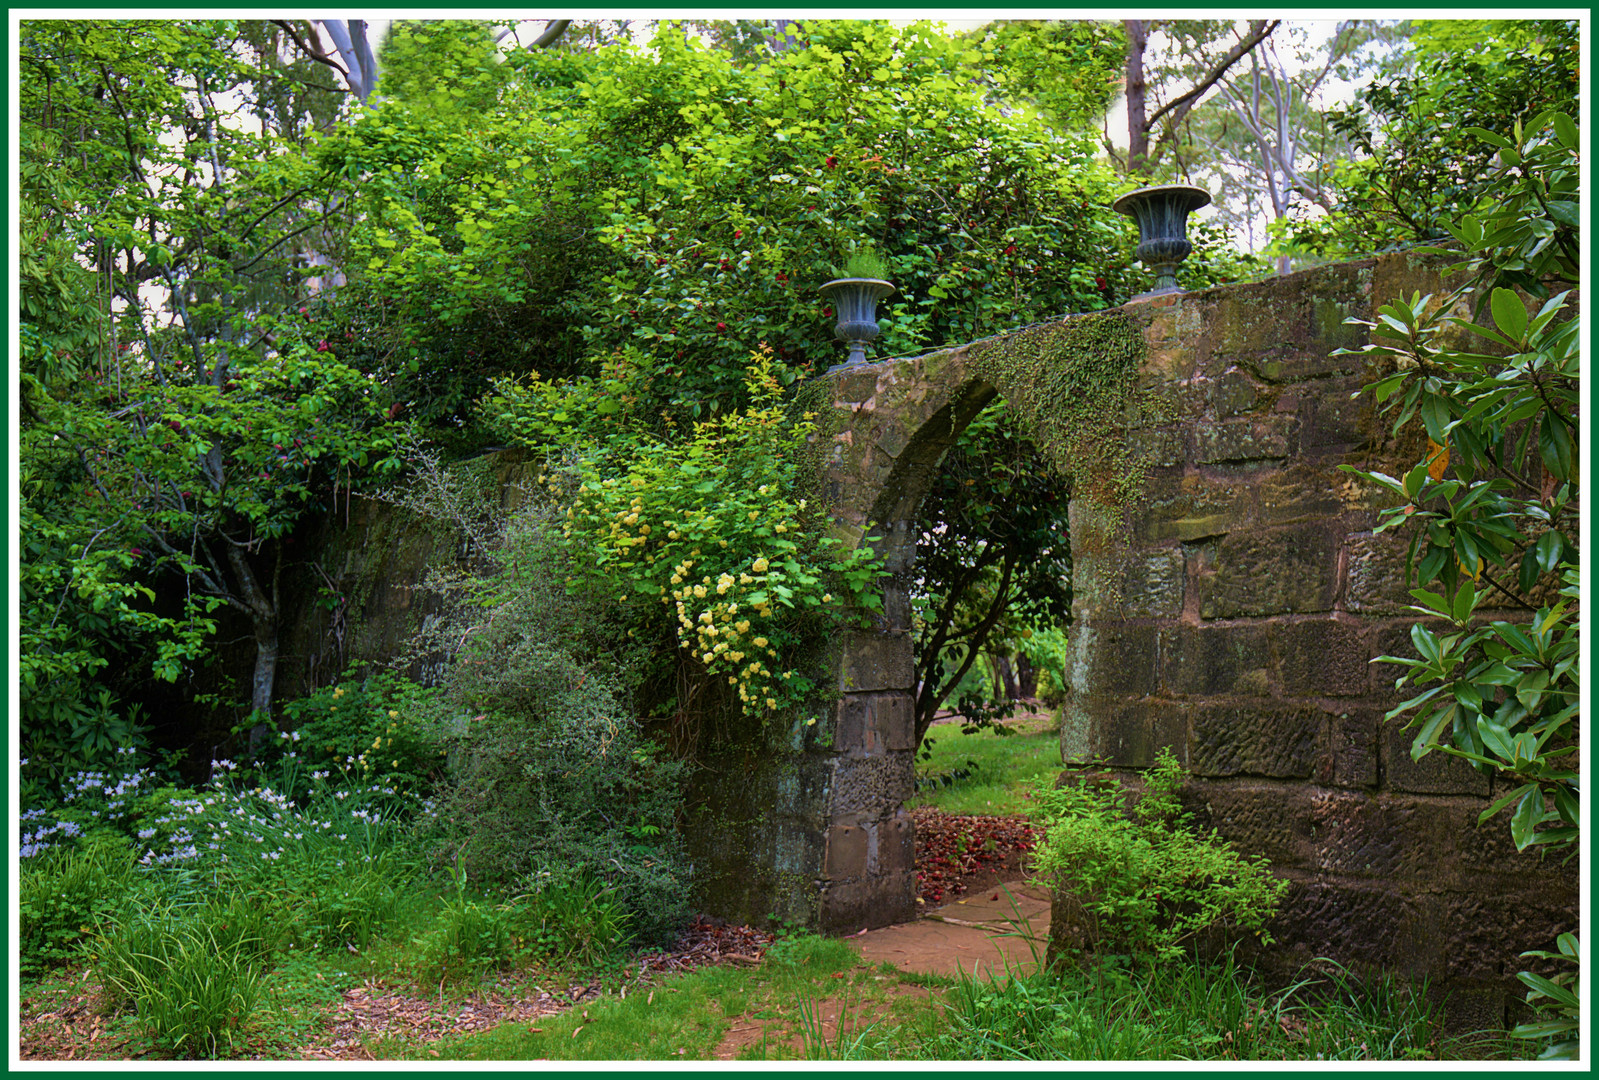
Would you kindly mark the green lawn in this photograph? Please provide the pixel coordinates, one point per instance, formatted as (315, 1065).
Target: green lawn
(986, 772)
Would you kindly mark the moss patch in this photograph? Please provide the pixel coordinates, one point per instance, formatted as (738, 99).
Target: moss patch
(1075, 386)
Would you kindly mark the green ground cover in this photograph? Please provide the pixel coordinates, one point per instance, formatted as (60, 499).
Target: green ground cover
(984, 772)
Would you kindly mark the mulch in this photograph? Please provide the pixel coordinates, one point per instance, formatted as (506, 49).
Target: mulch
(959, 853)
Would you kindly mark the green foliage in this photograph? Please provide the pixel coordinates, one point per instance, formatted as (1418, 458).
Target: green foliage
(1561, 1032)
(993, 554)
(708, 539)
(1418, 164)
(1491, 504)
(377, 727)
(65, 895)
(468, 937)
(182, 414)
(1146, 881)
(579, 920)
(679, 202)
(1049, 650)
(551, 775)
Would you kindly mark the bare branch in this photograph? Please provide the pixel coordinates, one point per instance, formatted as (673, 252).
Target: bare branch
(552, 34)
(1180, 106)
(313, 49)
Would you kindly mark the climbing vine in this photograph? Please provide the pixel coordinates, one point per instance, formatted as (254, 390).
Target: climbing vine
(1074, 386)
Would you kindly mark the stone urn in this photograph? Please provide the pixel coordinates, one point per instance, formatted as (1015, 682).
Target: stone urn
(1162, 216)
(855, 301)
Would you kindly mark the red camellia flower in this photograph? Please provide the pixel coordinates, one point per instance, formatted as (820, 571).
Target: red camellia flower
(321, 346)
(737, 233)
(832, 162)
(827, 313)
(721, 327)
(1010, 249)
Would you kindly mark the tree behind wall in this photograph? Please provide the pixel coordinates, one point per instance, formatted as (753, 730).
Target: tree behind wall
(206, 412)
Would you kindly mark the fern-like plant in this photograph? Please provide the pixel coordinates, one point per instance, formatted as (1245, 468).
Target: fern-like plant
(1143, 881)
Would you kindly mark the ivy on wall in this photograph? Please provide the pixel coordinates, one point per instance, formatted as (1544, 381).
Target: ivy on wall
(1074, 385)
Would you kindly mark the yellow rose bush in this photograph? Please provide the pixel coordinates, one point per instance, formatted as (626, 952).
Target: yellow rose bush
(712, 535)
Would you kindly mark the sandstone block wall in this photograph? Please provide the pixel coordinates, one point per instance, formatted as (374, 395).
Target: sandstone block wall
(1239, 626)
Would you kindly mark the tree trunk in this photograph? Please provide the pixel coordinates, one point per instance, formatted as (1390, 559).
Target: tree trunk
(263, 606)
(1007, 673)
(1138, 163)
(1026, 678)
(266, 666)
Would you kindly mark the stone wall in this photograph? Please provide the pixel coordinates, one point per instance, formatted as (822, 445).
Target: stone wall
(1236, 623)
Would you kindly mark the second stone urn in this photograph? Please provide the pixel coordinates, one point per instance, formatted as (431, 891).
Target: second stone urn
(1162, 216)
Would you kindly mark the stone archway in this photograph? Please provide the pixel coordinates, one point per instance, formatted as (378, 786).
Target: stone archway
(1236, 624)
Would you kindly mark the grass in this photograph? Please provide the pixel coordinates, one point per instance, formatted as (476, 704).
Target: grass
(986, 773)
(256, 969)
(686, 1017)
(825, 1003)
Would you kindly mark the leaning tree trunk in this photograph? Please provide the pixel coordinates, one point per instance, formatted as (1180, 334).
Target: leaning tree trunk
(1138, 163)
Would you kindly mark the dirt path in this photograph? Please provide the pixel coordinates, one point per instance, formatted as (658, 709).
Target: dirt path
(1002, 928)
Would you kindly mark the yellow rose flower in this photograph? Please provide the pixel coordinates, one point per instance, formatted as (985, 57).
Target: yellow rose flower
(760, 565)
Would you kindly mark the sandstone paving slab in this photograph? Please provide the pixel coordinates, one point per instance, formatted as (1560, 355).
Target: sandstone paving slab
(1003, 928)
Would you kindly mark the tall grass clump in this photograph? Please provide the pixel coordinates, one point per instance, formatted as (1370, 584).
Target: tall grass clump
(193, 979)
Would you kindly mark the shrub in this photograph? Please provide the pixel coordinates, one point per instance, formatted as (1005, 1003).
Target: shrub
(376, 726)
(65, 894)
(1144, 881)
(550, 772)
